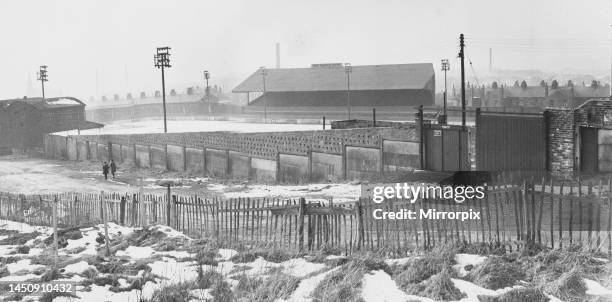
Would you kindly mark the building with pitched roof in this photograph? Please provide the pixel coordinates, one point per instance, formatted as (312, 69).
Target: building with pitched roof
(327, 85)
(23, 122)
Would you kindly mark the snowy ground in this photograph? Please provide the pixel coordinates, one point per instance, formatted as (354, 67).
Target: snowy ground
(37, 176)
(174, 126)
(168, 267)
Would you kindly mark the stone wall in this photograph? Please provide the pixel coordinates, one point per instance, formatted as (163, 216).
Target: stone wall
(561, 147)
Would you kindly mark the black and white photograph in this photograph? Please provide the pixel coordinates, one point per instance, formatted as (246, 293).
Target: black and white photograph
(306, 151)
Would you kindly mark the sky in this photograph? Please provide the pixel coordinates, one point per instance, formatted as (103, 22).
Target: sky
(96, 48)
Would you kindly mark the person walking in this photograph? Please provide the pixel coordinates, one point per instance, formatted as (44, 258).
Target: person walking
(105, 170)
(113, 168)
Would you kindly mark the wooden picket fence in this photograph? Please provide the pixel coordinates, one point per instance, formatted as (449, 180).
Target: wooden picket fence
(553, 214)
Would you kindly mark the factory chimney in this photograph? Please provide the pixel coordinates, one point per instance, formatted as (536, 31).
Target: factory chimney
(490, 60)
(277, 55)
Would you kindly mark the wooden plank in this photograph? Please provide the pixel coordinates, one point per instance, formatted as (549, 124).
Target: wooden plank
(571, 216)
(561, 217)
(552, 216)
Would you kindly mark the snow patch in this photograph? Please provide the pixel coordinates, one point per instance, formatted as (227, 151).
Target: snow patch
(596, 289)
(22, 265)
(227, 254)
(77, 268)
(379, 287)
(339, 192)
(136, 252)
(170, 232)
(23, 227)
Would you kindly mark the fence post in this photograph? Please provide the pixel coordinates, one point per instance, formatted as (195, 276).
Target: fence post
(168, 206)
(101, 206)
(216, 216)
(122, 211)
(134, 210)
(74, 211)
(143, 207)
(525, 215)
(421, 137)
(106, 241)
(360, 228)
(382, 157)
(323, 122)
(55, 244)
(301, 212)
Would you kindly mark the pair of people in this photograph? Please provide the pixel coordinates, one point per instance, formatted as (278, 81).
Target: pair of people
(106, 167)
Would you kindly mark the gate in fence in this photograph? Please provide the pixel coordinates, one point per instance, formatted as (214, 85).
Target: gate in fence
(510, 141)
(445, 148)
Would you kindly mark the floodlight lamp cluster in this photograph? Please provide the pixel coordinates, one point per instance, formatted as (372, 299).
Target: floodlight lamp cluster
(263, 71)
(162, 57)
(42, 74)
(348, 68)
(445, 65)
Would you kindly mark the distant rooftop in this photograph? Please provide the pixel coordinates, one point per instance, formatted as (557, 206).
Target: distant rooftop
(46, 103)
(332, 77)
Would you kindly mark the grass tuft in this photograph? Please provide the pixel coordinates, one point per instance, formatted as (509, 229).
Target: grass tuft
(569, 287)
(50, 296)
(438, 287)
(19, 238)
(50, 274)
(276, 286)
(273, 255)
(23, 249)
(179, 292)
(345, 283)
(529, 294)
(497, 272)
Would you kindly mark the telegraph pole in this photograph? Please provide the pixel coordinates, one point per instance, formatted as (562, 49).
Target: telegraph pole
(206, 77)
(348, 69)
(162, 60)
(43, 77)
(264, 73)
(462, 56)
(445, 68)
